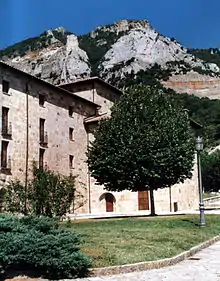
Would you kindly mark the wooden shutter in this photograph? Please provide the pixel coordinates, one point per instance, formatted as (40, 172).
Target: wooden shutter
(4, 154)
(41, 158)
(5, 86)
(143, 200)
(42, 121)
(4, 120)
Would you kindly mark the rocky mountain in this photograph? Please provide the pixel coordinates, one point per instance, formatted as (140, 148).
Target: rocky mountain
(54, 56)
(120, 53)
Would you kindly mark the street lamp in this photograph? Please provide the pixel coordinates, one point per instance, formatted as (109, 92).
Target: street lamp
(199, 148)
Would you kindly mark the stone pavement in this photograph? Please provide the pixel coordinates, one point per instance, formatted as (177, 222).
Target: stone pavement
(136, 214)
(204, 266)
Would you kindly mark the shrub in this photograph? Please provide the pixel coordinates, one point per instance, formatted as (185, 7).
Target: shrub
(49, 194)
(37, 245)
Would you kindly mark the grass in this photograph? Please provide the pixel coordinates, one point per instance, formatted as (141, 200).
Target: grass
(123, 241)
(209, 195)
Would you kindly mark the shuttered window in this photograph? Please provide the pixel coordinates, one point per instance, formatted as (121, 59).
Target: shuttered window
(41, 158)
(4, 154)
(71, 161)
(5, 120)
(42, 122)
(5, 86)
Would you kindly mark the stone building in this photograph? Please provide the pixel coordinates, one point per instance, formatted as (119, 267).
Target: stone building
(52, 126)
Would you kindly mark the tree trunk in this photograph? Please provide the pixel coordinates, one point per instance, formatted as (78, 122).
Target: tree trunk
(152, 205)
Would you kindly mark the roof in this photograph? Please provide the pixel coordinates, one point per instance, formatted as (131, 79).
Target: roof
(95, 79)
(195, 125)
(48, 84)
(96, 118)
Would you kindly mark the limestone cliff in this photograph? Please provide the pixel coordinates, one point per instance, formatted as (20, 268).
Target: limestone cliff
(58, 60)
(114, 52)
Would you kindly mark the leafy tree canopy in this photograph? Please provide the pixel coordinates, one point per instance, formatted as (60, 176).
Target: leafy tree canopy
(211, 171)
(147, 143)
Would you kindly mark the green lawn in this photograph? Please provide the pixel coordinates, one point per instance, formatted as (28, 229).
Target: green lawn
(209, 195)
(123, 241)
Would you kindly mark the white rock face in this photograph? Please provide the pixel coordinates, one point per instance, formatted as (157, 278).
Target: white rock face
(141, 48)
(58, 63)
(125, 47)
(75, 63)
(121, 26)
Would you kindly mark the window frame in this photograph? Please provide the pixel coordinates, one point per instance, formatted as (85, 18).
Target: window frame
(4, 154)
(42, 99)
(41, 158)
(71, 111)
(71, 134)
(71, 161)
(5, 86)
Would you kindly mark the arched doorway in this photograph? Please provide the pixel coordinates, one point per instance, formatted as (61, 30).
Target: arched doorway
(109, 201)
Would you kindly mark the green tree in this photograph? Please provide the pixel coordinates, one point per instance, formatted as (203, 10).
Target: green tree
(146, 144)
(210, 164)
(48, 193)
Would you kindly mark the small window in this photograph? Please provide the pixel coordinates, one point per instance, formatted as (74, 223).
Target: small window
(71, 164)
(5, 120)
(71, 111)
(5, 86)
(42, 122)
(4, 154)
(71, 134)
(41, 100)
(41, 158)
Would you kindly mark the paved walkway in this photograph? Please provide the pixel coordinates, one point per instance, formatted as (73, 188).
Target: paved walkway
(204, 267)
(137, 214)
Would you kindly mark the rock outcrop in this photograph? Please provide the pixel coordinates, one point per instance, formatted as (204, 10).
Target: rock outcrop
(114, 51)
(57, 62)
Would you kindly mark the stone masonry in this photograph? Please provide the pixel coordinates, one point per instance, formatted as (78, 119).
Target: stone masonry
(89, 100)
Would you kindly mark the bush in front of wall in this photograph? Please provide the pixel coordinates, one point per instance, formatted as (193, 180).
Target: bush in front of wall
(48, 193)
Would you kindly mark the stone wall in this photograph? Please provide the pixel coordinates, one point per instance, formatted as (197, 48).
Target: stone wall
(95, 91)
(184, 196)
(25, 106)
(57, 123)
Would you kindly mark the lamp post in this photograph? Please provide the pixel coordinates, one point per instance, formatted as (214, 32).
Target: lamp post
(199, 148)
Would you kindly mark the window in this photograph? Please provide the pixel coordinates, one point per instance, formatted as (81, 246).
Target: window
(42, 122)
(5, 86)
(4, 154)
(41, 158)
(71, 164)
(71, 134)
(5, 120)
(71, 111)
(41, 100)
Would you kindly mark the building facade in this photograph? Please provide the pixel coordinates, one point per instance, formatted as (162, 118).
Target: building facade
(52, 126)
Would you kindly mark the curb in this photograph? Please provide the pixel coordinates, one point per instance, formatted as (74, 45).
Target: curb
(142, 266)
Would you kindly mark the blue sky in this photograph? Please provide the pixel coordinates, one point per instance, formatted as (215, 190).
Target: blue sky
(194, 23)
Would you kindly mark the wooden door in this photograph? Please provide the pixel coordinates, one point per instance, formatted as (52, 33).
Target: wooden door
(143, 200)
(109, 202)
